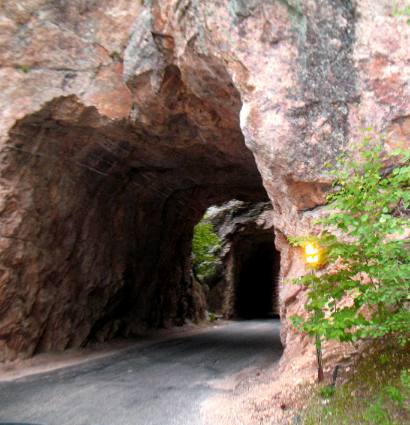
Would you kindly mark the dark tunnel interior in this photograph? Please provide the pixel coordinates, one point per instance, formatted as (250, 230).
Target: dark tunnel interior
(257, 274)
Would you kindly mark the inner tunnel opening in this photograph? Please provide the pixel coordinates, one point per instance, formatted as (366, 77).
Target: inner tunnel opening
(235, 259)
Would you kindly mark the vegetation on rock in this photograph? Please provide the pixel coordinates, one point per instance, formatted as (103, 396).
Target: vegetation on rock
(205, 245)
(365, 289)
(361, 288)
(402, 11)
(378, 393)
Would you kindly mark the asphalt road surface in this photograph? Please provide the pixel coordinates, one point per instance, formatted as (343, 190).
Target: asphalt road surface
(163, 383)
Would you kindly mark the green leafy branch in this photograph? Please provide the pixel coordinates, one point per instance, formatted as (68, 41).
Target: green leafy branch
(364, 290)
(205, 245)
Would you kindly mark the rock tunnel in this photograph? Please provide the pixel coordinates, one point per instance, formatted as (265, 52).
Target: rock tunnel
(123, 122)
(96, 241)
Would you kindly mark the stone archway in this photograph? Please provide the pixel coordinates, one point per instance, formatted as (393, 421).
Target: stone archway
(98, 218)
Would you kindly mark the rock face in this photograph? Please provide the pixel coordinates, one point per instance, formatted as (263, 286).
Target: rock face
(122, 123)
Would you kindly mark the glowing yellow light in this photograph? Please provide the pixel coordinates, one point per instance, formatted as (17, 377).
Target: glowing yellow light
(312, 254)
(310, 249)
(312, 259)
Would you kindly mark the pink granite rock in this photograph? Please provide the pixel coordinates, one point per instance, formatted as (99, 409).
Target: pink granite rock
(121, 123)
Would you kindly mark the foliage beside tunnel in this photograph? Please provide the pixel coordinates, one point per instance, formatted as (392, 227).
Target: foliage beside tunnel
(205, 246)
(364, 293)
(376, 393)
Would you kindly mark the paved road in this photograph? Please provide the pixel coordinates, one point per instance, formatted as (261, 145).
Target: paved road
(160, 384)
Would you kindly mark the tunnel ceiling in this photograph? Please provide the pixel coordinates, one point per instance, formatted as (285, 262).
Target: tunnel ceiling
(106, 210)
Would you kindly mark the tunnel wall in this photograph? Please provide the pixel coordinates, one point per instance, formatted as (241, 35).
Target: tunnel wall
(96, 88)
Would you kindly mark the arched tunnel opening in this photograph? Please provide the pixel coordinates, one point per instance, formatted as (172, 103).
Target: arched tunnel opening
(236, 260)
(98, 214)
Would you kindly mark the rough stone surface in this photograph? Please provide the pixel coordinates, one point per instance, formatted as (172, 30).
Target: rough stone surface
(120, 124)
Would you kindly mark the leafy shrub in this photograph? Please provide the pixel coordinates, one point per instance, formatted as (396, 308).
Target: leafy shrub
(327, 391)
(205, 245)
(376, 414)
(377, 393)
(379, 412)
(212, 317)
(365, 291)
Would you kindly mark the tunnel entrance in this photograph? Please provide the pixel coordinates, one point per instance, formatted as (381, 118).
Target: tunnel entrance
(99, 214)
(257, 271)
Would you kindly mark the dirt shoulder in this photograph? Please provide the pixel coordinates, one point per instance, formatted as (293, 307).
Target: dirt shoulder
(273, 395)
